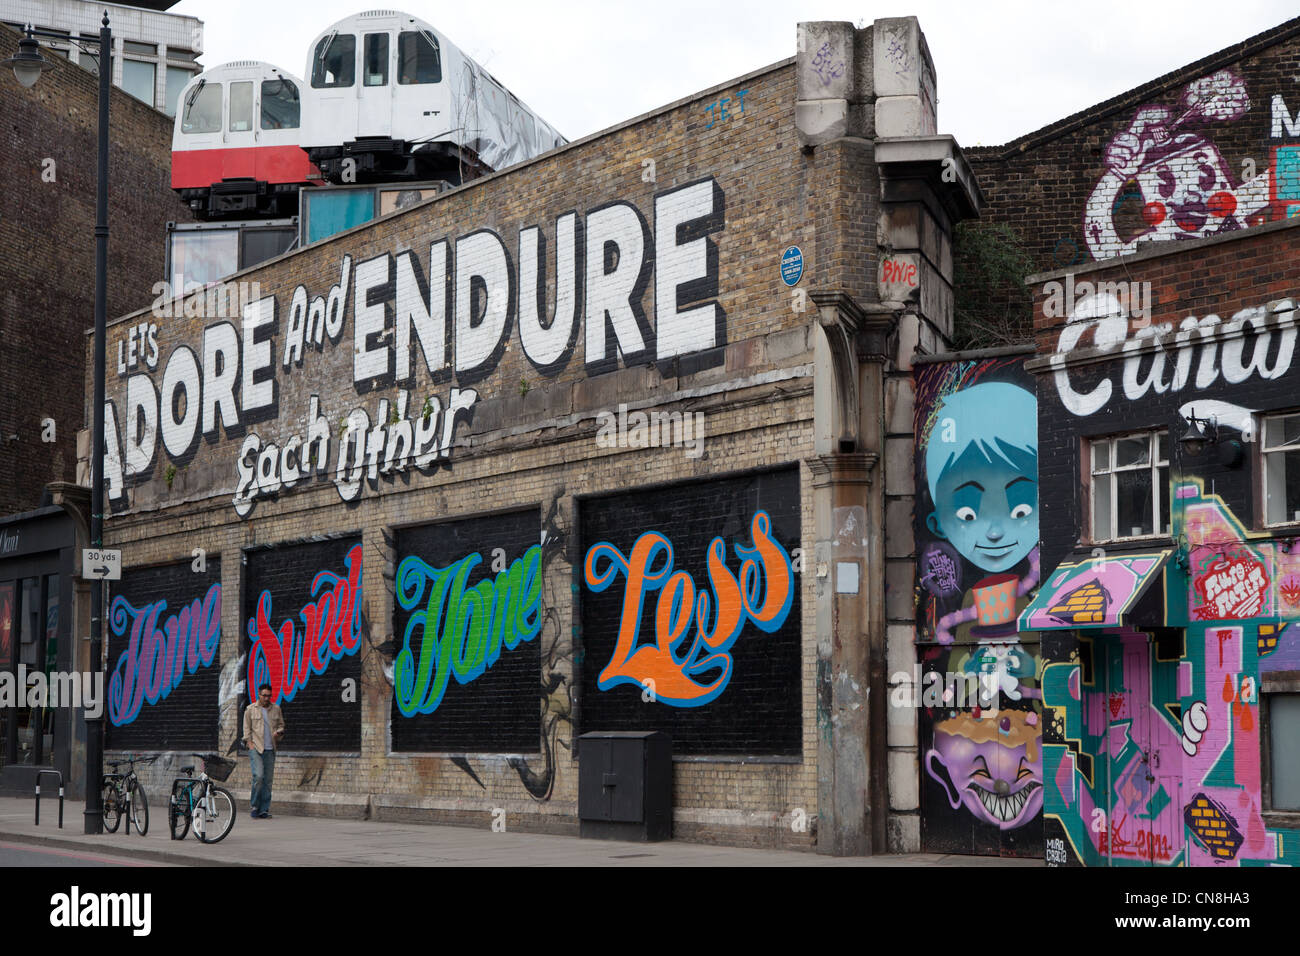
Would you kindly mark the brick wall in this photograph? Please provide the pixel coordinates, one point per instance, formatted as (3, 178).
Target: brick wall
(529, 440)
(47, 254)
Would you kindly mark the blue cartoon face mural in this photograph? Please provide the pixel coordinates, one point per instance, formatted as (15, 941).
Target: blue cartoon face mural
(982, 465)
(977, 545)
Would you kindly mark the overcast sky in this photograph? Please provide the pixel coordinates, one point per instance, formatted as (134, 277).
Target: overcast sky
(1004, 68)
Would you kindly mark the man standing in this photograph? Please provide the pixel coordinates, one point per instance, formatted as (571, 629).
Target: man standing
(263, 728)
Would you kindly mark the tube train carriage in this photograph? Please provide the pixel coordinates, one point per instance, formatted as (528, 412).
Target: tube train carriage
(237, 142)
(387, 98)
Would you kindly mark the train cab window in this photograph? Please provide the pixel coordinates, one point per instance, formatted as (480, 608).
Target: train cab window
(203, 109)
(334, 63)
(241, 106)
(281, 108)
(376, 59)
(417, 58)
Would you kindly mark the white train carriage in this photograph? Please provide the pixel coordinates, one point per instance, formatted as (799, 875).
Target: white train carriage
(236, 144)
(390, 93)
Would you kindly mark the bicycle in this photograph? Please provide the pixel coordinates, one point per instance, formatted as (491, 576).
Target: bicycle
(123, 795)
(197, 800)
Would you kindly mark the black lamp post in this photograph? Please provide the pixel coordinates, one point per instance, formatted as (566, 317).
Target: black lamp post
(28, 65)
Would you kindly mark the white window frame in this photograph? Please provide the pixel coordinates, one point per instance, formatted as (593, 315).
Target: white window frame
(1264, 451)
(1159, 522)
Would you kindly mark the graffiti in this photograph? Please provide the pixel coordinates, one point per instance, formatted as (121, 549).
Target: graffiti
(977, 538)
(331, 630)
(991, 766)
(899, 272)
(720, 106)
(462, 630)
(156, 658)
(1171, 754)
(452, 314)
(940, 570)
(557, 663)
(1231, 589)
(1159, 358)
(826, 66)
(1093, 593)
(1195, 721)
(1174, 173)
(467, 613)
(898, 52)
(761, 593)
(694, 622)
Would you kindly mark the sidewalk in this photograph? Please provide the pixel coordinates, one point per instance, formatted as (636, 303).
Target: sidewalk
(317, 841)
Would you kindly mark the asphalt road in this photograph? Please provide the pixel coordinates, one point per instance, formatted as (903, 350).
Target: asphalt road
(26, 854)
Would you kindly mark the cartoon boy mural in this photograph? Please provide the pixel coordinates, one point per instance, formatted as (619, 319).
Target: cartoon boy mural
(1185, 188)
(981, 465)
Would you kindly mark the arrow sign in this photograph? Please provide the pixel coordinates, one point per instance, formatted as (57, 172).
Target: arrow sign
(101, 565)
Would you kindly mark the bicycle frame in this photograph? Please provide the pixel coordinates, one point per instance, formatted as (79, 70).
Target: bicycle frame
(185, 789)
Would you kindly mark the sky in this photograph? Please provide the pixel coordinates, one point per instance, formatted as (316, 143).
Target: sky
(1004, 68)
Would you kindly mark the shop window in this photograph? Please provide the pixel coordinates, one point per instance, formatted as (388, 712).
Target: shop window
(1280, 451)
(334, 62)
(1130, 486)
(1280, 714)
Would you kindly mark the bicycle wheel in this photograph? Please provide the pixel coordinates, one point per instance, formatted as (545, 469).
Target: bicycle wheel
(178, 821)
(139, 808)
(218, 812)
(112, 809)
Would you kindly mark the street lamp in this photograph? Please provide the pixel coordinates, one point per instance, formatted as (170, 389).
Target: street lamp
(28, 65)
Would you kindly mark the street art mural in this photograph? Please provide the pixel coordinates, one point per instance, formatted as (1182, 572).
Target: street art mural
(1152, 753)
(1092, 593)
(690, 614)
(466, 618)
(304, 622)
(1166, 178)
(977, 546)
(418, 334)
(164, 638)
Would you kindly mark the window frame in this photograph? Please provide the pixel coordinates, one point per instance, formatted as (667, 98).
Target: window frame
(317, 79)
(1263, 451)
(1275, 684)
(1161, 516)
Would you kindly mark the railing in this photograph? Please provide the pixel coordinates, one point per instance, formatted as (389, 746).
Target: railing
(39, 774)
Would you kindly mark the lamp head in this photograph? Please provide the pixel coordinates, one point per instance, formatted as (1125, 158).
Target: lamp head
(27, 63)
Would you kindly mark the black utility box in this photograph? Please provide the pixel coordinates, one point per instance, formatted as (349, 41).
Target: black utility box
(625, 786)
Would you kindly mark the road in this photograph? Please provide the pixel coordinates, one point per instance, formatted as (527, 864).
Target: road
(26, 854)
